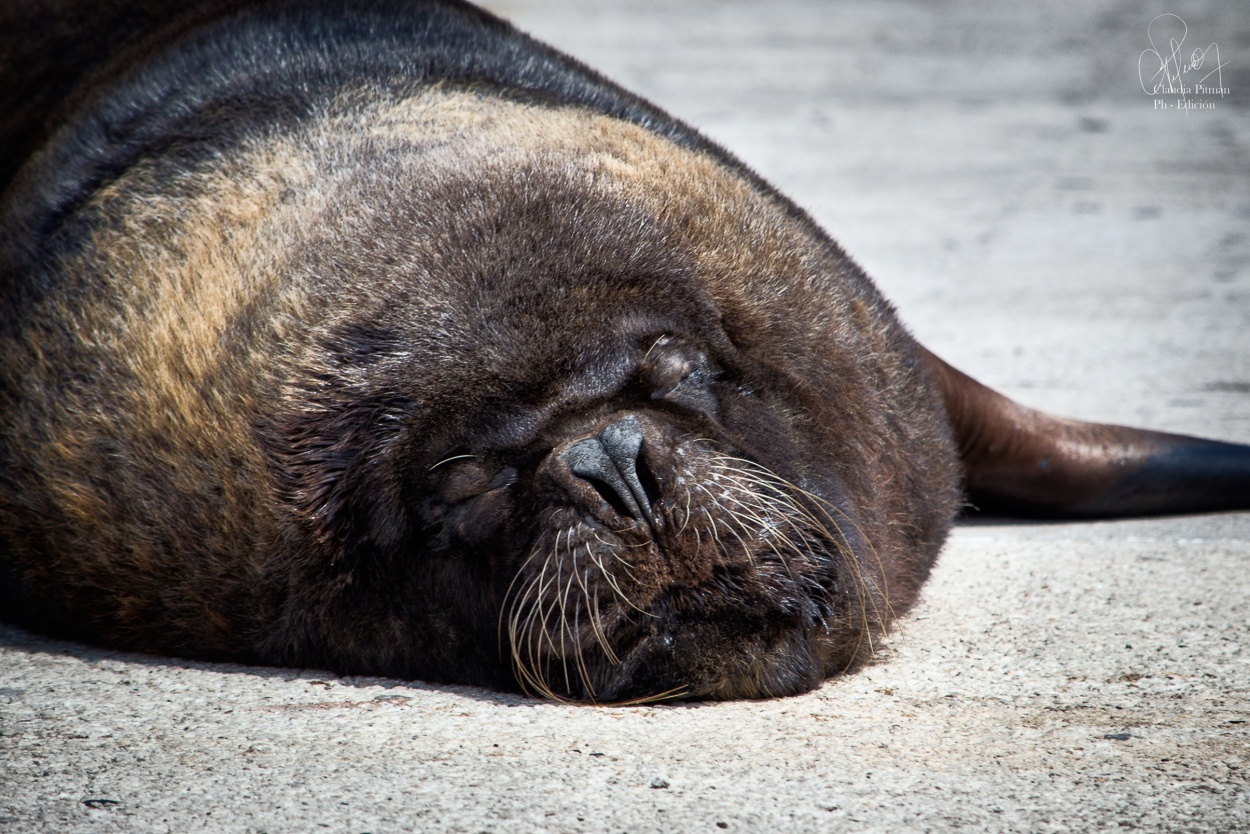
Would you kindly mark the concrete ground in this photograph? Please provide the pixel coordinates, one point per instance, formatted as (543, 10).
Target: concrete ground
(1041, 224)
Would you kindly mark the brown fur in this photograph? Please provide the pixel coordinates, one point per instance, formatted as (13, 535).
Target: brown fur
(428, 353)
(194, 539)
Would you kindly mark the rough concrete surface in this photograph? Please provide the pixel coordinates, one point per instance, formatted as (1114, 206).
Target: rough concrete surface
(1041, 224)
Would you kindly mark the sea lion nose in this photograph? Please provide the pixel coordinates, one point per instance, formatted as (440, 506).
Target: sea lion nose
(610, 462)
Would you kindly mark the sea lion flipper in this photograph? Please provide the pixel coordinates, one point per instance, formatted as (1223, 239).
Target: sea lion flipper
(1020, 460)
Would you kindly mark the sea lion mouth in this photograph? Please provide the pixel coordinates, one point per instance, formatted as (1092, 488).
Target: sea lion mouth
(682, 571)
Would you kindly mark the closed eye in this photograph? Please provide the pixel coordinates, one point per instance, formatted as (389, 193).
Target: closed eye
(678, 372)
(472, 478)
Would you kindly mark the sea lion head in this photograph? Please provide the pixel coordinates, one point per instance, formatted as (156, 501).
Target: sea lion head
(614, 421)
(650, 552)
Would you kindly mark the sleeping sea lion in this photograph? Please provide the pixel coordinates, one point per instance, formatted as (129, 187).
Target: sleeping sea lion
(377, 336)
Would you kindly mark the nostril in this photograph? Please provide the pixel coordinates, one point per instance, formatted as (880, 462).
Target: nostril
(650, 487)
(611, 463)
(614, 499)
(622, 441)
(588, 459)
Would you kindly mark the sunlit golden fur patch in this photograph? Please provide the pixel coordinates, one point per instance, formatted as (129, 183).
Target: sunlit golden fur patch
(143, 373)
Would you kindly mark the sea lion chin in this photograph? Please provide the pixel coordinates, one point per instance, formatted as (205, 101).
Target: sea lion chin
(385, 339)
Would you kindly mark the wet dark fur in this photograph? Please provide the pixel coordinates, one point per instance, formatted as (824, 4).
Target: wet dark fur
(293, 362)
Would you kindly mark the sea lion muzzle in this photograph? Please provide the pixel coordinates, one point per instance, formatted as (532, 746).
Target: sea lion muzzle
(678, 570)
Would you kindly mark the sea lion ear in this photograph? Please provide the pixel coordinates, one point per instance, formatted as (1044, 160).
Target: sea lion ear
(1022, 461)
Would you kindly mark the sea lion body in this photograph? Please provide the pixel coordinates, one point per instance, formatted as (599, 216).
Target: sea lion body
(386, 339)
